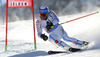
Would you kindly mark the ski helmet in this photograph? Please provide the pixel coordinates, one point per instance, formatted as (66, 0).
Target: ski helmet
(44, 9)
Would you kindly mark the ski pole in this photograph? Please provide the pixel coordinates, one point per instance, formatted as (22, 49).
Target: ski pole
(75, 19)
(53, 44)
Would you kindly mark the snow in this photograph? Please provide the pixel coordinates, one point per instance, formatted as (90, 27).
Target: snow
(21, 38)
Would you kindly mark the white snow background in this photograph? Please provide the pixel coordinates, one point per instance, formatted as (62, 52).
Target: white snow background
(21, 38)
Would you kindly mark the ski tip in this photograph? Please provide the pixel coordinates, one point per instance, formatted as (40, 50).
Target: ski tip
(97, 12)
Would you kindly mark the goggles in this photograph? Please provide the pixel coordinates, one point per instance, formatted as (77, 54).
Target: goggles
(43, 14)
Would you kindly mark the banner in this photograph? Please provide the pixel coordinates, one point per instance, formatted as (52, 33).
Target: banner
(19, 3)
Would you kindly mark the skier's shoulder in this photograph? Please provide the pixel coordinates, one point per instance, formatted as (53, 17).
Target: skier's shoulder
(53, 15)
(38, 20)
(52, 12)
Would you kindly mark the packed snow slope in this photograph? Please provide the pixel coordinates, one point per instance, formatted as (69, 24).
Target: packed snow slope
(21, 38)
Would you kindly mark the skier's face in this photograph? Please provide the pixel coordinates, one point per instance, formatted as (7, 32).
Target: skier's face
(43, 16)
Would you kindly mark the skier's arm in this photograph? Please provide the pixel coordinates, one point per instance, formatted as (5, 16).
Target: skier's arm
(39, 31)
(39, 28)
(54, 18)
(55, 21)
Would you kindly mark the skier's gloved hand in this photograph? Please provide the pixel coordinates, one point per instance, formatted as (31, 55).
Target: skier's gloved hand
(49, 24)
(44, 37)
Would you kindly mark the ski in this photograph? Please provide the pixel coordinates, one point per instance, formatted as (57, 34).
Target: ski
(70, 50)
(89, 46)
(55, 52)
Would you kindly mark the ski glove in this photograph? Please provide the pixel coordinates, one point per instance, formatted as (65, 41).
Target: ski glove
(49, 24)
(44, 37)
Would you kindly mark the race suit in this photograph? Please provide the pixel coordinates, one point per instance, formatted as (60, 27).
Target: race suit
(57, 32)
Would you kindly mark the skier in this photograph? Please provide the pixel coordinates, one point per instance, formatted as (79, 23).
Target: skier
(47, 19)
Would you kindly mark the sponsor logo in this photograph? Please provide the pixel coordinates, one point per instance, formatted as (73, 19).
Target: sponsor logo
(18, 3)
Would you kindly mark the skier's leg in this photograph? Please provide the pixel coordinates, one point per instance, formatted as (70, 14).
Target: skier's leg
(56, 38)
(70, 39)
(58, 42)
(63, 44)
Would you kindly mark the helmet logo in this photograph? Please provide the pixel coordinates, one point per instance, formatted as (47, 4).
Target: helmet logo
(42, 11)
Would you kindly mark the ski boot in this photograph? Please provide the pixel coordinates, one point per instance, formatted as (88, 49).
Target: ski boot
(70, 49)
(85, 43)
